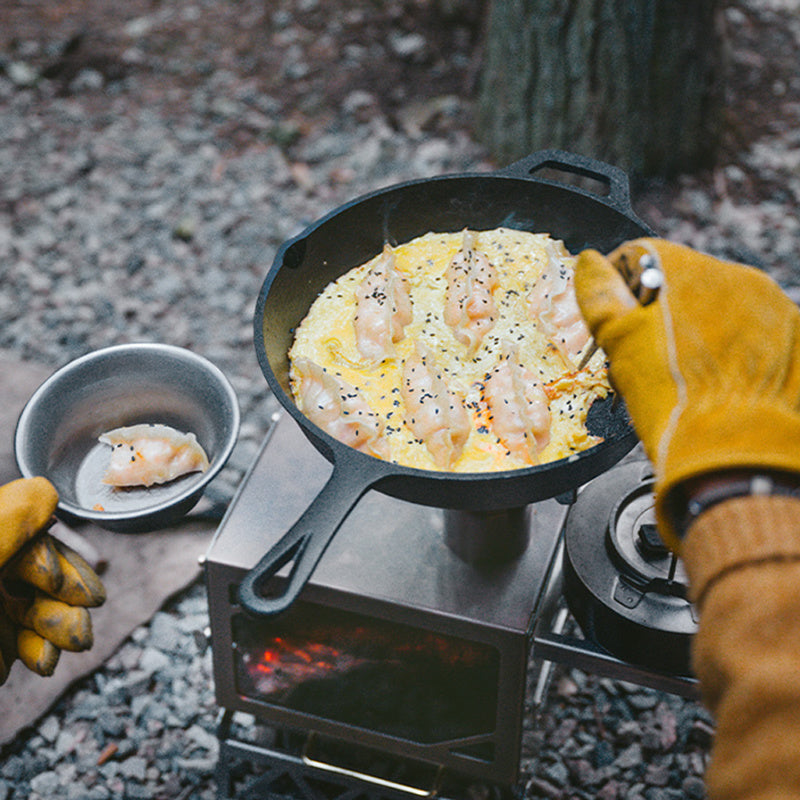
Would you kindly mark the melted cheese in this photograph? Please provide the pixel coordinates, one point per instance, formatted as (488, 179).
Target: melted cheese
(327, 337)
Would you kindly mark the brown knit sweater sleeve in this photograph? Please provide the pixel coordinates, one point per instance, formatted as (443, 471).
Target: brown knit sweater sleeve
(743, 561)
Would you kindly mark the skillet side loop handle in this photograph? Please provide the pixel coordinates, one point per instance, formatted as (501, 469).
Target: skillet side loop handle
(303, 544)
(619, 192)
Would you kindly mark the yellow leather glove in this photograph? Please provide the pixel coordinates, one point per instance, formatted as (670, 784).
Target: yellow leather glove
(45, 587)
(26, 506)
(710, 371)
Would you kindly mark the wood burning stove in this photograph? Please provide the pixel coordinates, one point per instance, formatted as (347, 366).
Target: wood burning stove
(398, 643)
(413, 640)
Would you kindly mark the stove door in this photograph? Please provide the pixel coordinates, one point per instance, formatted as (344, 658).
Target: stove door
(368, 673)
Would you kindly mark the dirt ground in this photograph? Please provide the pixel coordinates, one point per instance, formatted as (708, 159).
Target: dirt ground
(431, 48)
(286, 49)
(412, 59)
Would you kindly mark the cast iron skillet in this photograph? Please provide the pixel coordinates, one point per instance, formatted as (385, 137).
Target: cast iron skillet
(357, 231)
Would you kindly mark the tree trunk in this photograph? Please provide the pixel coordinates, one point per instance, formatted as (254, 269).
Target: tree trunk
(636, 84)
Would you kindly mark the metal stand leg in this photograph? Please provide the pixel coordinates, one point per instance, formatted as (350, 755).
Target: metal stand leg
(223, 768)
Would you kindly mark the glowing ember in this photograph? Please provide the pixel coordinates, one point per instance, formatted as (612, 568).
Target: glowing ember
(374, 674)
(285, 664)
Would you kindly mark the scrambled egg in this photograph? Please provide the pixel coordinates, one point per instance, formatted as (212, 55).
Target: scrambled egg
(326, 336)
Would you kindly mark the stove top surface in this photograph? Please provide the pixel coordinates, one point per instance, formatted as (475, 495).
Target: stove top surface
(387, 549)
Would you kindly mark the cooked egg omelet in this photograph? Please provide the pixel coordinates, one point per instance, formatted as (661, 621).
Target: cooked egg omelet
(454, 351)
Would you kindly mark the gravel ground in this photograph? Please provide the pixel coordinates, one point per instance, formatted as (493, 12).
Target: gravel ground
(149, 173)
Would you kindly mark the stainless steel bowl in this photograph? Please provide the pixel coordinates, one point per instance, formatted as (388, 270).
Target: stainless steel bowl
(57, 431)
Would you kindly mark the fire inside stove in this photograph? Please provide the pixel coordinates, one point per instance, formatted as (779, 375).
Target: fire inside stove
(369, 673)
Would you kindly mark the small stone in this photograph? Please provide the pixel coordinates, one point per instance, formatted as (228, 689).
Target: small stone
(555, 773)
(657, 774)
(541, 787)
(139, 27)
(203, 739)
(185, 229)
(667, 726)
(138, 791)
(583, 773)
(694, 787)
(658, 793)
(67, 740)
(134, 767)
(49, 729)
(563, 732)
(701, 733)
(643, 701)
(21, 74)
(87, 80)
(153, 660)
(611, 790)
(45, 783)
(164, 633)
(566, 687)
(109, 770)
(630, 757)
(111, 724)
(602, 754)
(407, 45)
(627, 732)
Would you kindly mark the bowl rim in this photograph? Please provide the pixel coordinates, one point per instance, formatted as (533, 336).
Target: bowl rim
(193, 488)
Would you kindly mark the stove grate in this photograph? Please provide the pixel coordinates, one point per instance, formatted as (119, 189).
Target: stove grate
(282, 770)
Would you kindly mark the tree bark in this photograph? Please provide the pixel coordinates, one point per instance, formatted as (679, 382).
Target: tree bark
(636, 84)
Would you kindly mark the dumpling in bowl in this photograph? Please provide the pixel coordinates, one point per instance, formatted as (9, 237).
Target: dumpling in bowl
(143, 455)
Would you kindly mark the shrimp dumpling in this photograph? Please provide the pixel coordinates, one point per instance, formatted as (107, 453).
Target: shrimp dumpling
(434, 412)
(143, 455)
(338, 408)
(383, 309)
(470, 309)
(518, 407)
(552, 303)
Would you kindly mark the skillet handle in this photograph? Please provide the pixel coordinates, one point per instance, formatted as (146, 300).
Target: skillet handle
(614, 178)
(304, 543)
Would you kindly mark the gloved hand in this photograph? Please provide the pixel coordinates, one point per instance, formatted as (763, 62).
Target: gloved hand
(45, 587)
(710, 371)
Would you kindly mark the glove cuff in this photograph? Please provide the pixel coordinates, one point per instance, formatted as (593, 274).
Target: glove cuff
(753, 437)
(738, 532)
(727, 486)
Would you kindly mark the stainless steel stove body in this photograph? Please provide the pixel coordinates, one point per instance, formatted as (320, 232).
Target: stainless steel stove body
(391, 608)
(409, 640)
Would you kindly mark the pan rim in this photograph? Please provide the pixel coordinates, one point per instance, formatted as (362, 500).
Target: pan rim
(332, 447)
